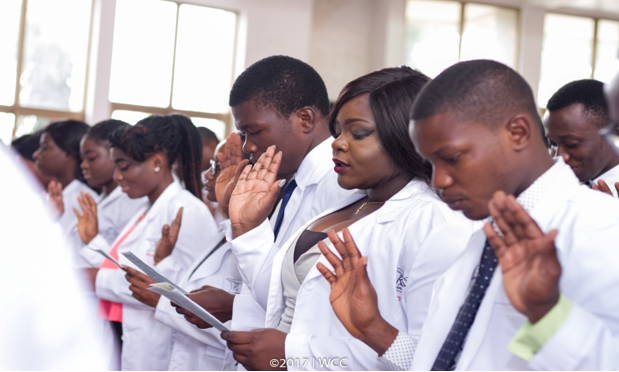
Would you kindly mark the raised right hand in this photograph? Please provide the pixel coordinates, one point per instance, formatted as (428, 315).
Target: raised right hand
(255, 193)
(353, 296)
(169, 236)
(54, 189)
(87, 224)
(231, 162)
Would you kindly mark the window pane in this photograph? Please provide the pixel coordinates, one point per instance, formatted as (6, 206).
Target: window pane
(432, 35)
(55, 52)
(143, 51)
(131, 117)
(204, 59)
(27, 124)
(217, 126)
(7, 122)
(607, 52)
(566, 53)
(490, 33)
(10, 11)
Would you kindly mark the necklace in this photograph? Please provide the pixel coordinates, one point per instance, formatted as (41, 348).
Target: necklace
(366, 203)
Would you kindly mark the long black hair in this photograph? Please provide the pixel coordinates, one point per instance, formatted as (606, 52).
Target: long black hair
(175, 135)
(67, 134)
(392, 92)
(101, 131)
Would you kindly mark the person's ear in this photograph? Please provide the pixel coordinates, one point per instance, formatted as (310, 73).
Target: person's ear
(158, 162)
(307, 119)
(519, 129)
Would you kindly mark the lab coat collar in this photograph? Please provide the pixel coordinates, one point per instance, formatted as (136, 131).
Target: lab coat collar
(113, 196)
(75, 186)
(610, 176)
(163, 199)
(315, 165)
(400, 201)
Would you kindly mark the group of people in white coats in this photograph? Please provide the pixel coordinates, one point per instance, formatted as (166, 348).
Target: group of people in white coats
(415, 224)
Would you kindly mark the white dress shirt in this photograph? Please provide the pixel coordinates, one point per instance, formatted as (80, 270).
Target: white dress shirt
(317, 190)
(113, 214)
(588, 225)
(610, 177)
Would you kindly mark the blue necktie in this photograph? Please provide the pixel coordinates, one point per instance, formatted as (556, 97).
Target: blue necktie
(446, 359)
(280, 216)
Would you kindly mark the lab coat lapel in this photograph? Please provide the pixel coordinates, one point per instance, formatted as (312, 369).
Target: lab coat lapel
(449, 293)
(210, 266)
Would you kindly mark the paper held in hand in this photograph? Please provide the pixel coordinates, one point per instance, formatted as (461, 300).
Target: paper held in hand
(104, 254)
(150, 271)
(173, 294)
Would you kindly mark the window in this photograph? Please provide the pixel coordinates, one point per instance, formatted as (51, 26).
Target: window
(441, 33)
(172, 58)
(576, 48)
(43, 62)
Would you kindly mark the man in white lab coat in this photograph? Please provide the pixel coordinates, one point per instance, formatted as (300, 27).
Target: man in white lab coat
(277, 101)
(544, 308)
(575, 114)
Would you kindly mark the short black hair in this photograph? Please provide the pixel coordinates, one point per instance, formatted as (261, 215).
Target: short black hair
(101, 131)
(392, 92)
(283, 83)
(26, 145)
(207, 136)
(589, 93)
(67, 134)
(484, 91)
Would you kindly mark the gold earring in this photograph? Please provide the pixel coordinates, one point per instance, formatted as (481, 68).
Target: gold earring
(157, 169)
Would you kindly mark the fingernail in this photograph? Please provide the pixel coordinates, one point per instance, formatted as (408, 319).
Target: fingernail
(282, 183)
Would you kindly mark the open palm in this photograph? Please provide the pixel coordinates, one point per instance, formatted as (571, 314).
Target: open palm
(352, 297)
(87, 224)
(255, 193)
(528, 258)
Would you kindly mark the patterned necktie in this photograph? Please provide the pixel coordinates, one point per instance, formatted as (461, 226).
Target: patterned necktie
(446, 359)
(280, 216)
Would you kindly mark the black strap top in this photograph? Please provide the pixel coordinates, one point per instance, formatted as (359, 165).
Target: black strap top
(307, 240)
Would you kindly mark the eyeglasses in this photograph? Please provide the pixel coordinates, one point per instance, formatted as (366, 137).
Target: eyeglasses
(214, 166)
(610, 134)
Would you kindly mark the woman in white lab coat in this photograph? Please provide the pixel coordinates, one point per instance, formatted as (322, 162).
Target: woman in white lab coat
(397, 220)
(58, 156)
(144, 155)
(99, 223)
(193, 348)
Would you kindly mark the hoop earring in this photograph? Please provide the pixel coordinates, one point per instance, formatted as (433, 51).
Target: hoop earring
(157, 169)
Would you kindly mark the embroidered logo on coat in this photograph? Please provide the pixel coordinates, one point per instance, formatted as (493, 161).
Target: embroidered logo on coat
(235, 285)
(400, 283)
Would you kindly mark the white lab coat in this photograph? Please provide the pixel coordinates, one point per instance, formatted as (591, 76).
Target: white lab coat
(410, 242)
(588, 225)
(194, 349)
(68, 220)
(114, 212)
(146, 342)
(45, 321)
(316, 192)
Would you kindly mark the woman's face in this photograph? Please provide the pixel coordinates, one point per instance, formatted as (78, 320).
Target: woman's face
(135, 179)
(211, 179)
(50, 159)
(97, 166)
(360, 159)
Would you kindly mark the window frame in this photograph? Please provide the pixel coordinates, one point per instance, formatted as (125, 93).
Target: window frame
(16, 109)
(226, 117)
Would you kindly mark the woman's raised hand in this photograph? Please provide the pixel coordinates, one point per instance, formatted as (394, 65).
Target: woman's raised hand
(255, 193)
(87, 224)
(54, 189)
(169, 237)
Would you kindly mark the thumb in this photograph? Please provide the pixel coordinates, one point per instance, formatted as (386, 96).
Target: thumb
(165, 231)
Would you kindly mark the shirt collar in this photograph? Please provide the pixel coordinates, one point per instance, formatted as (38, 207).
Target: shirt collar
(609, 175)
(316, 164)
(554, 179)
